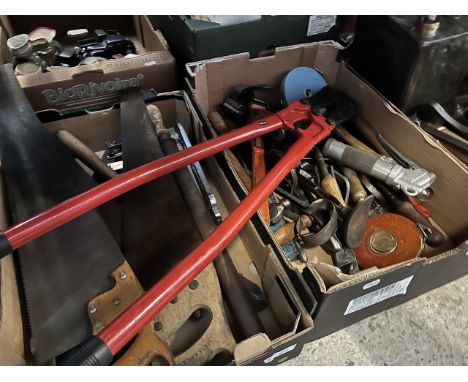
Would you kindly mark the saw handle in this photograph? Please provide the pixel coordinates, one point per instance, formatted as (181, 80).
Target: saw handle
(92, 352)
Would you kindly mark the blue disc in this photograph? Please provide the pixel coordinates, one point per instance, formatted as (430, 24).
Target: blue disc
(299, 83)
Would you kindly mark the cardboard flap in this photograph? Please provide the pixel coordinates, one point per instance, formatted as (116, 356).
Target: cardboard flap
(251, 348)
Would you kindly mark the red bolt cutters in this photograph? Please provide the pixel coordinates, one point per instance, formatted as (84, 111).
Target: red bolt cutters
(312, 119)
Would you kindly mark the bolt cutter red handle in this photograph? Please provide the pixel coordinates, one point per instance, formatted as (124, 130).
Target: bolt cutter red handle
(310, 129)
(100, 349)
(22, 233)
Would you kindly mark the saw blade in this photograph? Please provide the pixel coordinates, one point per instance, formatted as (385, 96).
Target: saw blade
(158, 229)
(64, 269)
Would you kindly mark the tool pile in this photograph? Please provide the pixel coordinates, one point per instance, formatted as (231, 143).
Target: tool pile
(38, 51)
(344, 204)
(130, 255)
(149, 218)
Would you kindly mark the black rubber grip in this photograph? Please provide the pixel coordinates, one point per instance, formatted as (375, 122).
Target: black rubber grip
(92, 352)
(5, 246)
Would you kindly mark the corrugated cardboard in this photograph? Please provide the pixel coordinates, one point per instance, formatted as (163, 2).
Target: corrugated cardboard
(89, 85)
(285, 317)
(344, 300)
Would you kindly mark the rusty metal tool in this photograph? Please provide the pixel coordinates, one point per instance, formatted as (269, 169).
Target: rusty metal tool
(332, 106)
(65, 269)
(389, 239)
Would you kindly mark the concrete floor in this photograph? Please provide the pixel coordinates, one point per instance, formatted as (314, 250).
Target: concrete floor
(429, 330)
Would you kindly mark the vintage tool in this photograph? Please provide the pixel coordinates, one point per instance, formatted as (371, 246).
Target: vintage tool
(259, 171)
(218, 123)
(352, 228)
(412, 181)
(323, 224)
(239, 106)
(236, 296)
(155, 116)
(328, 182)
(369, 186)
(357, 191)
(241, 100)
(446, 135)
(200, 178)
(335, 107)
(353, 141)
(287, 232)
(343, 257)
(299, 83)
(194, 323)
(149, 210)
(434, 238)
(369, 133)
(280, 209)
(85, 154)
(389, 239)
(220, 127)
(62, 271)
(435, 120)
(147, 346)
(354, 219)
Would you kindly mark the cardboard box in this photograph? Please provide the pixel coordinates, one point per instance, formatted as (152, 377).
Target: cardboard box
(284, 316)
(201, 38)
(94, 84)
(344, 299)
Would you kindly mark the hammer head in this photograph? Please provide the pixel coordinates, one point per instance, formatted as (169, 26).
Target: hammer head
(333, 104)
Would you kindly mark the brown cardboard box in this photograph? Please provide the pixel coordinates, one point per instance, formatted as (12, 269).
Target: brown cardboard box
(284, 316)
(345, 299)
(90, 85)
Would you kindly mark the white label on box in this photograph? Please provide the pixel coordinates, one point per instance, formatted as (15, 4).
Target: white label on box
(320, 24)
(278, 353)
(378, 295)
(371, 284)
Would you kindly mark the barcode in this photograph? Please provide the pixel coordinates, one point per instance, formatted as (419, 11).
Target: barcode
(378, 295)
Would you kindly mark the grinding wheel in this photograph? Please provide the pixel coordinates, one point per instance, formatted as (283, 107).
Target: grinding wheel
(389, 239)
(299, 83)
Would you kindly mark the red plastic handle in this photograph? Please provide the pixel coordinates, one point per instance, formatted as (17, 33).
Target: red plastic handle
(120, 331)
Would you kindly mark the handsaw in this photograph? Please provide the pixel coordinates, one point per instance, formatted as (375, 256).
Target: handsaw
(63, 270)
(157, 225)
